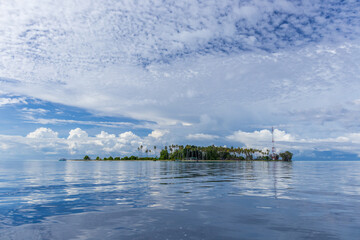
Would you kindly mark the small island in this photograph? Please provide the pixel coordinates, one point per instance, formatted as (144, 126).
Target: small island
(199, 153)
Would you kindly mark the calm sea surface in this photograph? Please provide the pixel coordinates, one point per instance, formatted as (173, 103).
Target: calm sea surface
(175, 200)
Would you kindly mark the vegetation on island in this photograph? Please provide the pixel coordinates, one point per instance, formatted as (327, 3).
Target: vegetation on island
(191, 152)
(286, 156)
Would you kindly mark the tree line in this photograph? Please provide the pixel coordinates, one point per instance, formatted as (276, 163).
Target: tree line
(192, 152)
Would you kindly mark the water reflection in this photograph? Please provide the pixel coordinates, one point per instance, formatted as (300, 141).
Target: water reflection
(42, 189)
(270, 179)
(33, 192)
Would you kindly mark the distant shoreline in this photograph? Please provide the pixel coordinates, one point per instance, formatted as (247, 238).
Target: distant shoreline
(192, 153)
(170, 160)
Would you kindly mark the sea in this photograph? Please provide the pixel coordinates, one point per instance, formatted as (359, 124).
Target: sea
(179, 200)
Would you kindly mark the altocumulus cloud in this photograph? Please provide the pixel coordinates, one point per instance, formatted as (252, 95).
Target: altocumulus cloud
(189, 66)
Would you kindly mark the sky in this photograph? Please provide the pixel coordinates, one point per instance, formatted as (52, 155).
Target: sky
(104, 77)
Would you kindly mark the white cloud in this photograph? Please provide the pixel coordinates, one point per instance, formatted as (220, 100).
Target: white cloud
(353, 137)
(104, 134)
(188, 66)
(4, 146)
(158, 133)
(12, 100)
(45, 142)
(356, 101)
(348, 143)
(55, 121)
(201, 136)
(43, 133)
(260, 136)
(263, 139)
(128, 136)
(77, 134)
(34, 111)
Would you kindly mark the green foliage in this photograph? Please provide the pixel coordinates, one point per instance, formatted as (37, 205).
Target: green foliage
(267, 158)
(286, 156)
(87, 157)
(224, 155)
(212, 153)
(176, 154)
(164, 154)
(191, 152)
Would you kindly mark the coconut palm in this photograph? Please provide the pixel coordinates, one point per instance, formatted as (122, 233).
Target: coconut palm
(141, 148)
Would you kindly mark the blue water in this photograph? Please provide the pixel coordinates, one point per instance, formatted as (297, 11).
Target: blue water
(175, 200)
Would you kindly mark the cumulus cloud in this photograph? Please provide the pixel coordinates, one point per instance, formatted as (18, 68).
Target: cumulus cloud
(158, 133)
(128, 136)
(77, 133)
(261, 136)
(104, 134)
(348, 143)
(46, 141)
(188, 66)
(43, 133)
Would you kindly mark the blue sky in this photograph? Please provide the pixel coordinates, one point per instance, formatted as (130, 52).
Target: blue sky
(103, 77)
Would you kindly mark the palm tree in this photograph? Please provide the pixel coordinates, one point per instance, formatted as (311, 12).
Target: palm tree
(155, 151)
(171, 149)
(181, 152)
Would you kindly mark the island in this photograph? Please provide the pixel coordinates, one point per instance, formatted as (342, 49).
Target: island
(200, 153)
